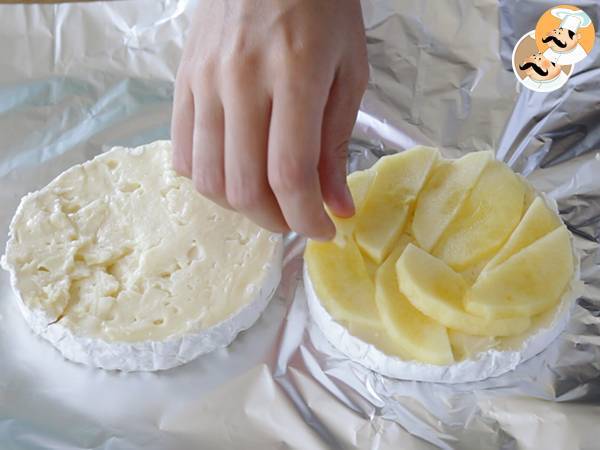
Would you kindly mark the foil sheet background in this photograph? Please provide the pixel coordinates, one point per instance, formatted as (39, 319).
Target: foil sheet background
(77, 79)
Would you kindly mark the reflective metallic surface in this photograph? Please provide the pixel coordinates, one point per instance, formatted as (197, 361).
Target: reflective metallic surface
(78, 79)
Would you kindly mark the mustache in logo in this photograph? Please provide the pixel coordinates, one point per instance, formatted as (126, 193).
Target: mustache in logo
(535, 67)
(555, 40)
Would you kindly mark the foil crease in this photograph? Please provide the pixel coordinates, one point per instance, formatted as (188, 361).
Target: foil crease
(77, 79)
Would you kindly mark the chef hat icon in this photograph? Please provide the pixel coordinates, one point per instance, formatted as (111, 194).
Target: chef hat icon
(571, 20)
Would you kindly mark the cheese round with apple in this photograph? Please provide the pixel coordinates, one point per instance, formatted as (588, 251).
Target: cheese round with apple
(444, 258)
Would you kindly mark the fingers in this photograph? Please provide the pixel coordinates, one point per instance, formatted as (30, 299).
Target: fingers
(208, 144)
(339, 118)
(307, 147)
(294, 148)
(247, 114)
(182, 126)
(252, 124)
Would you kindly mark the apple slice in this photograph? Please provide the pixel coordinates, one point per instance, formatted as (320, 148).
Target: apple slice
(444, 193)
(377, 336)
(537, 222)
(528, 282)
(415, 334)
(543, 320)
(465, 346)
(485, 220)
(372, 267)
(341, 281)
(359, 183)
(437, 291)
(398, 180)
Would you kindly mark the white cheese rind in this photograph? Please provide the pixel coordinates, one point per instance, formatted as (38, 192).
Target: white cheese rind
(152, 355)
(180, 340)
(486, 364)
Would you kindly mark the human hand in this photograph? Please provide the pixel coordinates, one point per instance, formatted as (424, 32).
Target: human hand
(266, 97)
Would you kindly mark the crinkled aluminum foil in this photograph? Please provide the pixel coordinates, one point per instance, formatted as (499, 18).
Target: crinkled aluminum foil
(78, 79)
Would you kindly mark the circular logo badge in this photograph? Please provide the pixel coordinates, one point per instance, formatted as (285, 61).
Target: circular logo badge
(534, 70)
(544, 59)
(565, 34)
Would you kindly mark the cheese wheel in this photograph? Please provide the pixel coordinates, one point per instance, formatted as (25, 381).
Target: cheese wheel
(423, 319)
(121, 264)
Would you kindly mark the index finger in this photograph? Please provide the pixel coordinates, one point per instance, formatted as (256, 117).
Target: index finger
(293, 156)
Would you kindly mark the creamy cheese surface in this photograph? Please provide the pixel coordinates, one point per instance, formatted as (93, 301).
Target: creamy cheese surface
(121, 248)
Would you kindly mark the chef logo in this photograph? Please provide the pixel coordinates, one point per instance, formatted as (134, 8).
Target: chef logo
(544, 58)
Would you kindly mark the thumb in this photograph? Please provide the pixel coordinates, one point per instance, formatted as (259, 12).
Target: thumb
(338, 121)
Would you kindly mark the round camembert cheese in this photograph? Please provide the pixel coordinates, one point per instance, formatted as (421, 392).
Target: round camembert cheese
(450, 270)
(121, 264)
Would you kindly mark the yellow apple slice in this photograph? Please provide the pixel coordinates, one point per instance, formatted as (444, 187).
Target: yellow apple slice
(377, 336)
(537, 222)
(415, 334)
(359, 183)
(465, 346)
(444, 193)
(398, 180)
(530, 194)
(341, 281)
(485, 220)
(528, 282)
(543, 320)
(437, 291)
(399, 247)
(371, 267)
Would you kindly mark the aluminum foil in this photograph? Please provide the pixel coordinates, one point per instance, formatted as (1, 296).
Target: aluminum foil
(78, 79)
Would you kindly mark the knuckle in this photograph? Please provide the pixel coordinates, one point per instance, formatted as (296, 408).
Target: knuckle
(303, 87)
(208, 66)
(301, 70)
(202, 74)
(240, 43)
(240, 60)
(209, 184)
(200, 84)
(237, 73)
(339, 152)
(180, 166)
(295, 58)
(334, 156)
(289, 176)
(245, 196)
(288, 46)
(294, 46)
(232, 66)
